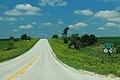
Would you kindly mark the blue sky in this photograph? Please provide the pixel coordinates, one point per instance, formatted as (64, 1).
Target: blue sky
(43, 18)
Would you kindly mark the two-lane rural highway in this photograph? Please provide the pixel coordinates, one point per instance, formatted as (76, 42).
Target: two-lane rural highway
(39, 64)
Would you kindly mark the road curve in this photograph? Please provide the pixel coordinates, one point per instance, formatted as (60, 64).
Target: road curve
(39, 64)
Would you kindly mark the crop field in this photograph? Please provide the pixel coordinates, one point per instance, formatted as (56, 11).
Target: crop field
(89, 58)
(21, 46)
(114, 40)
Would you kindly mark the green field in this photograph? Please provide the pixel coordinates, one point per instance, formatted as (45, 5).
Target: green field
(21, 46)
(3, 44)
(89, 58)
(114, 40)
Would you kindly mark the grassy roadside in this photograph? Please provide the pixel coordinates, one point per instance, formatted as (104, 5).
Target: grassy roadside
(21, 46)
(89, 58)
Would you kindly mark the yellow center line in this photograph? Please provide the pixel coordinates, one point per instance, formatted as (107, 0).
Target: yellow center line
(23, 70)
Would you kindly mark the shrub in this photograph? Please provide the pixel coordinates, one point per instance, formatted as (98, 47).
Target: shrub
(55, 36)
(28, 38)
(74, 41)
(65, 40)
(85, 40)
(92, 39)
(88, 40)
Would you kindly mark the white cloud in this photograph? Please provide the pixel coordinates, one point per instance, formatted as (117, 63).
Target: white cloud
(13, 12)
(46, 24)
(60, 21)
(86, 12)
(53, 3)
(15, 30)
(107, 14)
(28, 7)
(101, 28)
(34, 23)
(8, 19)
(32, 13)
(25, 26)
(23, 9)
(78, 25)
(114, 19)
(110, 25)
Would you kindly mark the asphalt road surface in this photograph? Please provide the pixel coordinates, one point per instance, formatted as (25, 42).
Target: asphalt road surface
(39, 64)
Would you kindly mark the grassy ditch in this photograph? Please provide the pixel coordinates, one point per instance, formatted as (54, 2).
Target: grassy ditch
(21, 46)
(89, 58)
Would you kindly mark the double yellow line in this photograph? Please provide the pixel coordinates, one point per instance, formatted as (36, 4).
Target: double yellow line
(23, 70)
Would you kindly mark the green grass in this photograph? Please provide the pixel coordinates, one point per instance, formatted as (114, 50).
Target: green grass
(89, 58)
(3, 44)
(21, 46)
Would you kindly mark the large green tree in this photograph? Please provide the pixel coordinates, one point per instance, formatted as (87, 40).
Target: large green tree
(24, 37)
(64, 34)
(65, 31)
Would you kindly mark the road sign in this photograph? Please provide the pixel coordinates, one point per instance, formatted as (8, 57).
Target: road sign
(108, 45)
(108, 48)
(111, 50)
(105, 50)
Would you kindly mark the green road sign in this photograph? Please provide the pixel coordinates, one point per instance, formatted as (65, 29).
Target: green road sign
(108, 45)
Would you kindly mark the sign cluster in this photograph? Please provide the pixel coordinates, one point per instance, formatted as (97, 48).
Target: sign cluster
(108, 48)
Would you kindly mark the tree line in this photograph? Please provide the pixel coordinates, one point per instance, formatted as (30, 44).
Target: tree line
(23, 37)
(75, 41)
(12, 40)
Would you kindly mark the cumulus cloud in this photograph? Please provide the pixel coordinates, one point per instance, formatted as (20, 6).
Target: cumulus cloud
(110, 24)
(23, 9)
(46, 24)
(25, 26)
(60, 21)
(53, 3)
(101, 28)
(28, 7)
(8, 19)
(13, 12)
(114, 19)
(107, 14)
(86, 12)
(78, 25)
